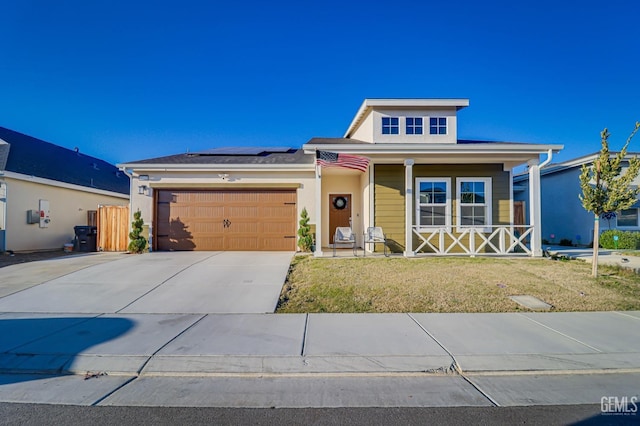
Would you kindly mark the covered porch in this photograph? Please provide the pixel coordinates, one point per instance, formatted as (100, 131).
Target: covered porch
(393, 194)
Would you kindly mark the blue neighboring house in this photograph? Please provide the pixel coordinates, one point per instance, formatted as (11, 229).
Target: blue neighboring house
(563, 217)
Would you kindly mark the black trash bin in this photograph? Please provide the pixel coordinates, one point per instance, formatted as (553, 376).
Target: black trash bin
(86, 238)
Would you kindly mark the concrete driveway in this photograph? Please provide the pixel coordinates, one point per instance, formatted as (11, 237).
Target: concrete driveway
(153, 283)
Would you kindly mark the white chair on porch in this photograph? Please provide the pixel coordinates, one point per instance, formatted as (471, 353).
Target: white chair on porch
(344, 235)
(375, 235)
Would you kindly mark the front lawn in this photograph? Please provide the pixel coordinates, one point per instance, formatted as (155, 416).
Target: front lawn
(452, 284)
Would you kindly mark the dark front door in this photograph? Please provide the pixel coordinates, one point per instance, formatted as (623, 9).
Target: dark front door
(339, 213)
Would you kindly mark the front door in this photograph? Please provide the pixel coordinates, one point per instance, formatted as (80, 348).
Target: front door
(339, 213)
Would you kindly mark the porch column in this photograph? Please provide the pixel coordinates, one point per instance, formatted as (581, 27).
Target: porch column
(408, 208)
(535, 212)
(318, 251)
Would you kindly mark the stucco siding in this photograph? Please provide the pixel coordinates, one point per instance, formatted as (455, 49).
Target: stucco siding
(425, 137)
(364, 132)
(343, 184)
(68, 208)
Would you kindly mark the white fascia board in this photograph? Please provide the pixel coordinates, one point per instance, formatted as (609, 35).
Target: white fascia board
(413, 149)
(579, 162)
(215, 167)
(58, 184)
(424, 102)
(399, 103)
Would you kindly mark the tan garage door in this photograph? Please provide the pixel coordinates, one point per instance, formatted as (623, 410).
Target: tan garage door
(226, 220)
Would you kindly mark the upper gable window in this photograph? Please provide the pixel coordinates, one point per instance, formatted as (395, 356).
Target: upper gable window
(390, 125)
(414, 125)
(438, 125)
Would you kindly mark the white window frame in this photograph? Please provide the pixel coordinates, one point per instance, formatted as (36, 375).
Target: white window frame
(391, 125)
(634, 227)
(488, 201)
(413, 126)
(447, 210)
(446, 126)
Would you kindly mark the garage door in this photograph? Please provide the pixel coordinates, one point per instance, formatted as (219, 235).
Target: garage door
(226, 220)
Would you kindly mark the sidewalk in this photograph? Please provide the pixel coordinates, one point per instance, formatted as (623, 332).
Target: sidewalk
(319, 360)
(605, 257)
(192, 344)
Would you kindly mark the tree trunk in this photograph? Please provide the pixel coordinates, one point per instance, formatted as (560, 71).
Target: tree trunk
(596, 243)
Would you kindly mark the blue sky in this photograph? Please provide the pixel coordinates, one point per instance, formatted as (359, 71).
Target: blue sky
(128, 80)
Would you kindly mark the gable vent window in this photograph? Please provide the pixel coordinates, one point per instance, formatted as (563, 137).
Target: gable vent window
(414, 125)
(390, 125)
(438, 125)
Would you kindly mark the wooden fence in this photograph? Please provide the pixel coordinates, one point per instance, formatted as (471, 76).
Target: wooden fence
(113, 228)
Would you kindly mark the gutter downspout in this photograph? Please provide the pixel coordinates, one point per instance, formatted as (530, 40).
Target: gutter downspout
(3, 213)
(130, 175)
(548, 160)
(535, 201)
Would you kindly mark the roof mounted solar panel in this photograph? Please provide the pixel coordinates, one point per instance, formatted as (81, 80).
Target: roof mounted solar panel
(243, 150)
(277, 149)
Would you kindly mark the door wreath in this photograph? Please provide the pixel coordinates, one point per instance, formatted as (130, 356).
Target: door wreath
(340, 203)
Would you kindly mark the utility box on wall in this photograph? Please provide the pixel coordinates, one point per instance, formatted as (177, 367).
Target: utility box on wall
(45, 217)
(33, 217)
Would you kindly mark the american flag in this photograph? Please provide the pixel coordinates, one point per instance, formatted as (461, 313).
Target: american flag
(333, 159)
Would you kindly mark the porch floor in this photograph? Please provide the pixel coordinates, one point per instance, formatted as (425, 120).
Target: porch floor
(348, 252)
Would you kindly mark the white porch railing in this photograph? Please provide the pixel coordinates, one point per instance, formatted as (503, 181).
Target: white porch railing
(501, 240)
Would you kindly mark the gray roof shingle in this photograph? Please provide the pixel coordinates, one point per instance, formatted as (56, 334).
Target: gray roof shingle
(35, 157)
(292, 157)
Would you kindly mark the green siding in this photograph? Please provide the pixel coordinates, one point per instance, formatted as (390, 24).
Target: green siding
(389, 204)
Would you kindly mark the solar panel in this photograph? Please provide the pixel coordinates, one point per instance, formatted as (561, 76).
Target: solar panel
(243, 150)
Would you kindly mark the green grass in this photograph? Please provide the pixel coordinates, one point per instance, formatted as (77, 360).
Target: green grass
(446, 284)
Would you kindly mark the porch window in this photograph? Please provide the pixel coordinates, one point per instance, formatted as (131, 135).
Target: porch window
(628, 218)
(390, 125)
(474, 203)
(433, 202)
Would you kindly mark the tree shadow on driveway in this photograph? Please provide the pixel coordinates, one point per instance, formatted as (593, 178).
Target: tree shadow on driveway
(32, 344)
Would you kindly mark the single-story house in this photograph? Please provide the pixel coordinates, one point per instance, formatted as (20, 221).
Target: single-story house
(46, 190)
(399, 166)
(563, 217)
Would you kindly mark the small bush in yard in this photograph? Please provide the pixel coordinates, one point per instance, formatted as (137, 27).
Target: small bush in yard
(138, 243)
(626, 240)
(305, 240)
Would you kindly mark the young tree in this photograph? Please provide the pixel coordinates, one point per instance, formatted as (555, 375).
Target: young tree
(605, 188)
(138, 241)
(305, 240)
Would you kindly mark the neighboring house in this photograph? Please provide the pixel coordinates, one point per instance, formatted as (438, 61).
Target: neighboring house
(431, 192)
(46, 190)
(563, 217)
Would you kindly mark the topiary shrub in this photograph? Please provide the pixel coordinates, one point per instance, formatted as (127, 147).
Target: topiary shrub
(626, 240)
(305, 240)
(138, 243)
